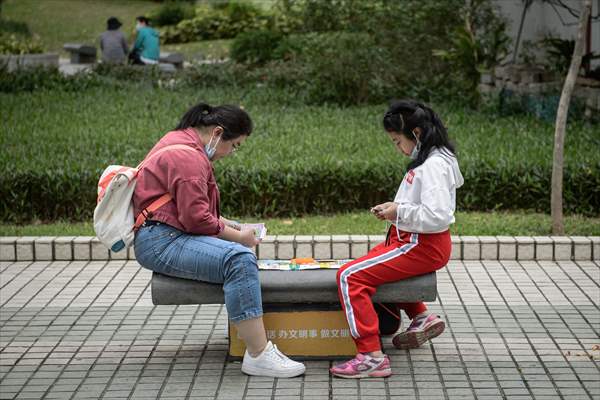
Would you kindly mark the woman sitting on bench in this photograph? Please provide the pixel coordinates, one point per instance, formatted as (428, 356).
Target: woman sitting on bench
(417, 243)
(187, 237)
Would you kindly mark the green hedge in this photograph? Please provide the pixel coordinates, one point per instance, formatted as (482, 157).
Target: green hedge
(306, 189)
(301, 159)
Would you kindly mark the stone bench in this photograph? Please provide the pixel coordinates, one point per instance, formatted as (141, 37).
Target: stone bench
(302, 313)
(81, 53)
(309, 286)
(175, 59)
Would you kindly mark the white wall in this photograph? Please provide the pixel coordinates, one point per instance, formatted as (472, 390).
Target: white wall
(542, 19)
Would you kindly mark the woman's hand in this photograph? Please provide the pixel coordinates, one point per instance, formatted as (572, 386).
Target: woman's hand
(232, 224)
(248, 238)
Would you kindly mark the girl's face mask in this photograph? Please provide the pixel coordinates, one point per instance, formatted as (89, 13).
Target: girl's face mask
(415, 151)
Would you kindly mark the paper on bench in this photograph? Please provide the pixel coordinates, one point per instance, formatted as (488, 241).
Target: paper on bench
(286, 265)
(260, 230)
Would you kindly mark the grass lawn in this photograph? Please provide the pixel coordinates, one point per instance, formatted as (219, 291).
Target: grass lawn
(213, 49)
(500, 223)
(57, 22)
(100, 125)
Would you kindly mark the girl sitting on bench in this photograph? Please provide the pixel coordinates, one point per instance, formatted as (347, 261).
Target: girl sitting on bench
(418, 241)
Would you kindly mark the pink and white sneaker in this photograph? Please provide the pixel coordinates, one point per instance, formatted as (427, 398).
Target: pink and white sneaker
(420, 330)
(363, 366)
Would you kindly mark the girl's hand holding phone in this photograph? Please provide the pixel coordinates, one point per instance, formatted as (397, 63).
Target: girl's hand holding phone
(390, 212)
(380, 210)
(385, 211)
(376, 211)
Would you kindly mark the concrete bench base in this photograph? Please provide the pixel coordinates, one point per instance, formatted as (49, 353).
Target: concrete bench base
(81, 53)
(303, 332)
(311, 286)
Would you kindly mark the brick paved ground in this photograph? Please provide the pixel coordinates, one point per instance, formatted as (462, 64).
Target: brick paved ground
(72, 330)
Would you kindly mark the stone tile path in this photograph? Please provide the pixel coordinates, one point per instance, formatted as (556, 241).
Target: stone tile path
(80, 329)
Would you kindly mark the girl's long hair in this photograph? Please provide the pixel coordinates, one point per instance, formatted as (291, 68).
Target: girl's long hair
(403, 116)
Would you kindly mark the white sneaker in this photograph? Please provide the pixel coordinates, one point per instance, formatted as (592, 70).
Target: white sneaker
(271, 362)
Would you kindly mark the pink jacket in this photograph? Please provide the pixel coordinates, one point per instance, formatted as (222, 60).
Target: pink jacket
(189, 178)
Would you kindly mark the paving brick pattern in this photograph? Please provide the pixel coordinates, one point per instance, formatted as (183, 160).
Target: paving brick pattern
(88, 330)
(522, 248)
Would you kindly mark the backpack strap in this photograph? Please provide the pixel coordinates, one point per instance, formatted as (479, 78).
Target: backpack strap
(160, 151)
(147, 212)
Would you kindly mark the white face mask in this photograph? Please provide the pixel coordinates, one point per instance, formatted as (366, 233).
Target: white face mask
(138, 26)
(415, 151)
(211, 149)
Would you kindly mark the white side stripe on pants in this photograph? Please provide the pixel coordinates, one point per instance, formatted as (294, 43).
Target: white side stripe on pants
(364, 265)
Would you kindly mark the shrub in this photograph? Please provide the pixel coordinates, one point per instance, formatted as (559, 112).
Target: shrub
(332, 15)
(255, 47)
(171, 13)
(541, 105)
(110, 76)
(14, 27)
(559, 53)
(348, 68)
(127, 73)
(368, 51)
(336, 67)
(217, 23)
(407, 34)
(478, 44)
(13, 44)
(43, 78)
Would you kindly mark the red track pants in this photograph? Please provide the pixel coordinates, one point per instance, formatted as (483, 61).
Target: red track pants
(397, 258)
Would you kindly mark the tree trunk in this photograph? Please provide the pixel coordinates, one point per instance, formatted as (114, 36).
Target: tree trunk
(556, 199)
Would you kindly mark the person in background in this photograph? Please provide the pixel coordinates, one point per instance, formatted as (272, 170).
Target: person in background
(146, 49)
(113, 44)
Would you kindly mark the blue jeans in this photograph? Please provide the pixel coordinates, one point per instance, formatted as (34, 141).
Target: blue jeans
(166, 250)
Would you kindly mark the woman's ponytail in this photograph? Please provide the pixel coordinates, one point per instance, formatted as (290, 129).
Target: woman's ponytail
(193, 117)
(234, 121)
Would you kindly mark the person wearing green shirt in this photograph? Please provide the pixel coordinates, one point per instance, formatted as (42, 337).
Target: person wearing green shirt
(146, 47)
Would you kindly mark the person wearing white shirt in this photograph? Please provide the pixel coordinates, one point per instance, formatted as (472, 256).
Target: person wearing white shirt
(418, 242)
